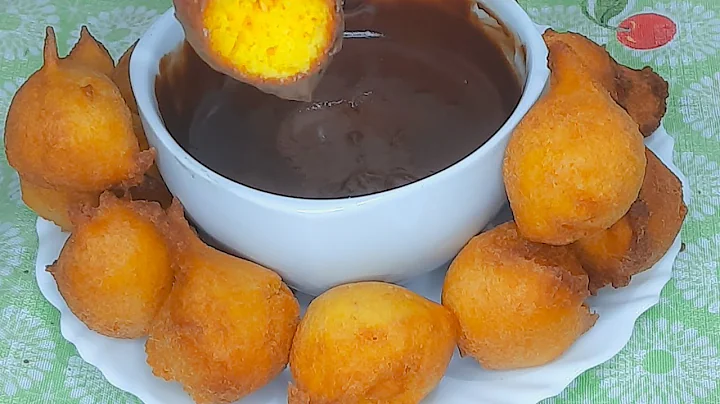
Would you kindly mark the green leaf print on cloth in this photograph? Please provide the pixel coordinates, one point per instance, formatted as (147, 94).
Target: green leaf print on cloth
(664, 362)
(602, 11)
(27, 350)
(569, 18)
(697, 274)
(86, 383)
(22, 27)
(7, 91)
(700, 100)
(704, 177)
(117, 28)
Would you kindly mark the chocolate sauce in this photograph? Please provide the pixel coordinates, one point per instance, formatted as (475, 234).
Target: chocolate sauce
(389, 110)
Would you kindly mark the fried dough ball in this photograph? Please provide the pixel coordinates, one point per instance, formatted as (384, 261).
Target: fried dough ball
(89, 53)
(576, 161)
(638, 240)
(642, 93)
(54, 205)
(226, 328)
(115, 270)
(69, 128)
(370, 342)
(519, 304)
(280, 47)
(121, 77)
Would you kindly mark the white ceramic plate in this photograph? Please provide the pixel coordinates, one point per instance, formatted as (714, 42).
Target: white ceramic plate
(123, 361)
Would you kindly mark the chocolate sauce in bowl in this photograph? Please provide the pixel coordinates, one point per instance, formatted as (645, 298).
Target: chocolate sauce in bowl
(391, 109)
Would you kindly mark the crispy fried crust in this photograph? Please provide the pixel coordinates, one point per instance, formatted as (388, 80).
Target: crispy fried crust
(68, 128)
(248, 41)
(642, 93)
(226, 328)
(370, 342)
(576, 161)
(642, 236)
(519, 304)
(115, 270)
(53, 204)
(89, 53)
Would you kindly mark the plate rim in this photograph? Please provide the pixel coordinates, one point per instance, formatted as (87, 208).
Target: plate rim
(622, 334)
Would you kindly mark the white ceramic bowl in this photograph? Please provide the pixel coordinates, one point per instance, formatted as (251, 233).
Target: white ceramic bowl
(317, 244)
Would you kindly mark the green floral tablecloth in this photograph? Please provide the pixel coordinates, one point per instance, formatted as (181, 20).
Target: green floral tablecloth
(674, 354)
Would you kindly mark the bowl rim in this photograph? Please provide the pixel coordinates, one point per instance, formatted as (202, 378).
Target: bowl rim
(537, 74)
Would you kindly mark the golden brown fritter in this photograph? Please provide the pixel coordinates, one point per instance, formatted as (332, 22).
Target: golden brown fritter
(576, 161)
(69, 128)
(519, 304)
(642, 93)
(279, 47)
(55, 205)
(638, 240)
(90, 54)
(370, 342)
(115, 270)
(121, 77)
(226, 328)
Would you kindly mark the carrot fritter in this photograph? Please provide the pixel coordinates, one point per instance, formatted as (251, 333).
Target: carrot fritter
(642, 93)
(226, 328)
(370, 342)
(55, 205)
(576, 161)
(519, 304)
(68, 127)
(280, 47)
(89, 53)
(115, 270)
(638, 240)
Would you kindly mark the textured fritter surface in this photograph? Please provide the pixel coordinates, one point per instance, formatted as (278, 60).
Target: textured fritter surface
(115, 270)
(270, 38)
(638, 240)
(281, 47)
(370, 342)
(68, 127)
(53, 204)
(576, 161)
(90, 54)
(226, 328)
(519, 303)
(642, 93)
